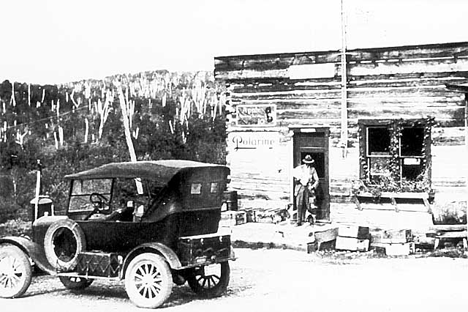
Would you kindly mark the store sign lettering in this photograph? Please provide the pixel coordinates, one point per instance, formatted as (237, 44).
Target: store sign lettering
(256, 115)
(250, 142)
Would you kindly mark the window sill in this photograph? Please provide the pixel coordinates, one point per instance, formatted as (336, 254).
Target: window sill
(393, 199)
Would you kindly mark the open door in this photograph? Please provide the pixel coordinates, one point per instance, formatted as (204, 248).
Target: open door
(314, 142)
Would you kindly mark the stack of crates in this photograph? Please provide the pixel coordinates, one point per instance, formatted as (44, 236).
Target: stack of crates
(353, 238)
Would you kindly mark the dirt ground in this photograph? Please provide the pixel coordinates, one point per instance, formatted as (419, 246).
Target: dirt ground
(286, 280)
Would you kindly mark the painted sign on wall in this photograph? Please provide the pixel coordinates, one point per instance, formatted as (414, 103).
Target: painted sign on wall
(252, 140)
(256, 115)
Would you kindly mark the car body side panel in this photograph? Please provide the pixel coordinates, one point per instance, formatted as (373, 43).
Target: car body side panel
(112, 236)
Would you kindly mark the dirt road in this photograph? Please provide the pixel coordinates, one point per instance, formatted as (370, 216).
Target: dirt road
(285, 280)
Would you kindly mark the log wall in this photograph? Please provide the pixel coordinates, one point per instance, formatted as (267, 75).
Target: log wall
(305, 88)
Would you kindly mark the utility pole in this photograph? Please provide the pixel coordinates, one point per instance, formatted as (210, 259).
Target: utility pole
(344, 92)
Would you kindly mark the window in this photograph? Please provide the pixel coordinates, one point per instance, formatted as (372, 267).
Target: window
(196, 188)
(411, 152)
(378, 141)
(397, 151)
(214, 187)
(378, 151)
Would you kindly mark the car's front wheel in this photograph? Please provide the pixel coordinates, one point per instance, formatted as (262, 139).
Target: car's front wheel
(210, 281)
(148, 280)
(15, 272)
(75, 282)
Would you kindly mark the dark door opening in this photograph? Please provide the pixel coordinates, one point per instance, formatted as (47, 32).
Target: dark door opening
(315, 144)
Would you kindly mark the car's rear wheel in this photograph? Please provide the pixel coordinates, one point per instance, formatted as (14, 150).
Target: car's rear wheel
(75, 282)
(15, 272)
(148, 280)
(63, 241)
(209, 281)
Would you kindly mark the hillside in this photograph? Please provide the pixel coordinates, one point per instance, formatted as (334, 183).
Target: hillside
(79, 125)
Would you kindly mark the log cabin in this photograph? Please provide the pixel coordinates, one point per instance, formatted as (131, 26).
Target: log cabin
(387, 128)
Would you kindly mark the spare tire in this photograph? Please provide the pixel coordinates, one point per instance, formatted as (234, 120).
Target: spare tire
(63, 241)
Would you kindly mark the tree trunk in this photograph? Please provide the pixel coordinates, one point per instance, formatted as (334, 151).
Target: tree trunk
(126, 116)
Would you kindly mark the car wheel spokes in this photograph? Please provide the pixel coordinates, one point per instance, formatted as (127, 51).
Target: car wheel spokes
(208, 281)
(15, 272)
(148, 280)
(11, 273)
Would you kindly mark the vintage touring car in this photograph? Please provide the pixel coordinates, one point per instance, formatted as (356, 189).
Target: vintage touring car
(150, 223)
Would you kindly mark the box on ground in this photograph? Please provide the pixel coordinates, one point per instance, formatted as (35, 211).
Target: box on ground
(361, 232)
(392, 236)
(352, 244)
(230, 218)
(403, 249)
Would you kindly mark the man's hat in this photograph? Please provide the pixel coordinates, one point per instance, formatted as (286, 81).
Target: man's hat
(308, 160)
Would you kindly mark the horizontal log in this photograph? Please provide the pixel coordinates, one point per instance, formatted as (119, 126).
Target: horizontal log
(300, 121)
(377, 112)
(358, 103)
(408, 67)
(396, 92)
(447, 76)
(392, 82)
(308, 113)
(369, 81)
(292, 104)
(441, 113)
(448, 136)
(281, 84)
(282, 60)
(257, 74)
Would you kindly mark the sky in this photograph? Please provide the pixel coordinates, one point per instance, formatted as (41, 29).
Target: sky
(58, 41)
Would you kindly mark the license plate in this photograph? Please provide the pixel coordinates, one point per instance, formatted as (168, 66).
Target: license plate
(213, 269)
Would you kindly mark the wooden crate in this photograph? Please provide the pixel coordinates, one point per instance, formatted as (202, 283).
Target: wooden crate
(352, 244)
(392, 237)
(230, 218)
(361, 232)
(404, 249)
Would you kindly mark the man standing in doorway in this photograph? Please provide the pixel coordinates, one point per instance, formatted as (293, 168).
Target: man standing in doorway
(306, 182)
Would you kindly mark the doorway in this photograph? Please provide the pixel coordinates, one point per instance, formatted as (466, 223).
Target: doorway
(314, 142)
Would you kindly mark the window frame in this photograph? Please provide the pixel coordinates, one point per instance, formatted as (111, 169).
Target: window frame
(365, 158)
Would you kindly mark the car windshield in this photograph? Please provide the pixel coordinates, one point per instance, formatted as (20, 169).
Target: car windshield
(82, 190)
(116, 193)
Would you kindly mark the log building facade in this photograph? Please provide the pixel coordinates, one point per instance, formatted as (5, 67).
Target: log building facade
(386, 124)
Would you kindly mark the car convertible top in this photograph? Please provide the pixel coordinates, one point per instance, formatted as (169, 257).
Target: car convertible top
(160, 170)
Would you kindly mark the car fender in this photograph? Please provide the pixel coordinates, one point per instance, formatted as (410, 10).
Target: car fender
(159, 248)
(33, 250)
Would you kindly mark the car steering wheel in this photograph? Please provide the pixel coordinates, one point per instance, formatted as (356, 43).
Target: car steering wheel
(98, 200)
